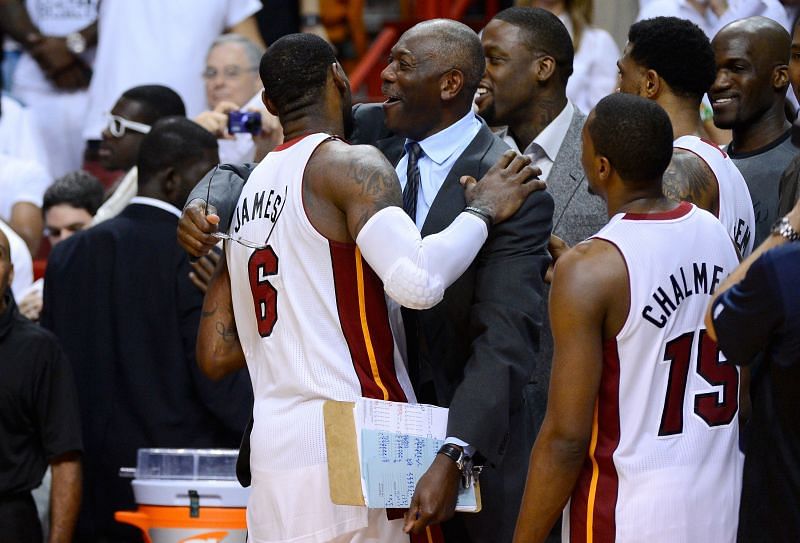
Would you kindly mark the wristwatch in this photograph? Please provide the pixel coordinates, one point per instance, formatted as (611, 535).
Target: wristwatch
(784, 229)
(454, 453)
(76, 43)
(310, 19)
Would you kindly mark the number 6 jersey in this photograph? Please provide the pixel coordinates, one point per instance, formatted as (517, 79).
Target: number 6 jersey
(312, 320)
(663, 463)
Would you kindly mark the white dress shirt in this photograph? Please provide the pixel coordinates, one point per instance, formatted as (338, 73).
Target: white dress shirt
(594, 69)
(544, 147)
(441, 151)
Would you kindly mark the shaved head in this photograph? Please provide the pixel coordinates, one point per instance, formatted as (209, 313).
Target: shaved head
(452, 45)
(769, 41)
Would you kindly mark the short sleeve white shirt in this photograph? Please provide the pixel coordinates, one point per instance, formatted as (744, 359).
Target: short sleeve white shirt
(20, 181)
(53, 18)
(594, 69)
(157, 42)
(19, 135)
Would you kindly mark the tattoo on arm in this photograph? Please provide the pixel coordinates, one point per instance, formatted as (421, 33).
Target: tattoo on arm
(689, 178)
(225, 326)
(378, 187)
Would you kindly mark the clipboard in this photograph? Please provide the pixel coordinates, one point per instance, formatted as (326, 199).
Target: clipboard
(367, 461)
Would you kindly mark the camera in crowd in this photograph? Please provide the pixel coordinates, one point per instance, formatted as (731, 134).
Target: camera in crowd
(244, 122)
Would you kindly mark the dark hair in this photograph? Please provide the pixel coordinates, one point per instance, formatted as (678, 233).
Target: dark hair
(173, 141)
(545, 33)
(294, 70)
(159, 101)
(78, 189)
(634, 134)
(678, 51)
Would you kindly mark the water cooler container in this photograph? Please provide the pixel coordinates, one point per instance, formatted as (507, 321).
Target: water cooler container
(187, 496)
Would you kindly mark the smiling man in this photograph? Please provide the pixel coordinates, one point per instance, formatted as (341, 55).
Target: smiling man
(748, 97)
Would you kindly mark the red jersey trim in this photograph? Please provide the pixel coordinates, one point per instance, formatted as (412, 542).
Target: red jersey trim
(286, 144)
(364, 319)
(594, 500)
(682, 209)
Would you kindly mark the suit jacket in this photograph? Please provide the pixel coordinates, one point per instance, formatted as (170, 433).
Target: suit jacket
(119, 299)
(578, 215)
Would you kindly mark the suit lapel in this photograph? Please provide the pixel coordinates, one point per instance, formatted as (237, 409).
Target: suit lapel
(449, 201)
(567, 172)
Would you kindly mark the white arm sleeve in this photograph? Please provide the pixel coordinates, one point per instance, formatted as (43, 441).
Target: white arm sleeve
(415, 271)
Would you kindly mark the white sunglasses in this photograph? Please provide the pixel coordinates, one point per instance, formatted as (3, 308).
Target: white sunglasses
(117, 126)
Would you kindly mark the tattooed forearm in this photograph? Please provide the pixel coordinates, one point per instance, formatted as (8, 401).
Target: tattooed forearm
(227, 331)
(689, 178)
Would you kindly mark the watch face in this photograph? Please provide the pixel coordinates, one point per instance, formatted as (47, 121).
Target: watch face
(76, 43)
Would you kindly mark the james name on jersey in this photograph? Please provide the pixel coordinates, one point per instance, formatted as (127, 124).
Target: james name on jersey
(263, 206)
(679, 286)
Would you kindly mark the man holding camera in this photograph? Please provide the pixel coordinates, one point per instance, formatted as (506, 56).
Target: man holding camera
(246, 131)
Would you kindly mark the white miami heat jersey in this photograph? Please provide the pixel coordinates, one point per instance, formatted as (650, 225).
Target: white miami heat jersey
(735, 204)
(663, 463)
(313, 323)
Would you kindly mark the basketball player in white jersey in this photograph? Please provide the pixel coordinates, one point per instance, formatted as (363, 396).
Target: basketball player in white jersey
(316, 238)
(640, 436)
(671, 61)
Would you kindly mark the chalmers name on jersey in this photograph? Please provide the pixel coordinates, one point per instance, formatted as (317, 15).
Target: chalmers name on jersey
(663, 463)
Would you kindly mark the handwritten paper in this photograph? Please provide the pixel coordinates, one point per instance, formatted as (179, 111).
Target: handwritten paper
(397, 442)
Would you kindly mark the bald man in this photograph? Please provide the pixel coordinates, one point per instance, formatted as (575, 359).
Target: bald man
(748, 97)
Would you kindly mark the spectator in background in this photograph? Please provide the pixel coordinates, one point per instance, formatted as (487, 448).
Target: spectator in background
(789, 190)
(135, 348)
(748, 96)
(232, 84)
(21, 259)
(594, 72)
(126, 126)
(68, 207)
(152, 41)
(19, 135)
(22, 184)
(757, 310)
(54, 71)
(39, 424)
(712, 15)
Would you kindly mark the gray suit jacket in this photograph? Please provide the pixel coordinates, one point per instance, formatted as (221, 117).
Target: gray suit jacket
(577, 216)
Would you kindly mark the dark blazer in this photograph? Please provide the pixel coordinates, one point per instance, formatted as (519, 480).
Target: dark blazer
(476, 350)
(119, 299)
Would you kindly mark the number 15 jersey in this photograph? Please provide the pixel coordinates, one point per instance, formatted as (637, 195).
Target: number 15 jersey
(663, 463)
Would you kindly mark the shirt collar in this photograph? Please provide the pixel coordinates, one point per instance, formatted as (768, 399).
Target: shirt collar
(161, 204)
(441, 145)
(551, 138)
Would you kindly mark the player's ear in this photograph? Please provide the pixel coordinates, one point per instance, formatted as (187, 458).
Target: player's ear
(339, 77)
(170, 182)
(268, 103)
(652, 84)
(603, 168)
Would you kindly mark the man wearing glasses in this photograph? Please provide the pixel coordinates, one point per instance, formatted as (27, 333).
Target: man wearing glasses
(127, 123)
(232, 84)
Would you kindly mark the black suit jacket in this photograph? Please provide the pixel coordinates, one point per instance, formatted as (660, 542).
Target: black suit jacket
(119, 299)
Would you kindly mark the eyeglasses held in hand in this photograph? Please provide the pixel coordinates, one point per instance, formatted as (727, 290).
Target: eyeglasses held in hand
(117, 126)
(238, 239)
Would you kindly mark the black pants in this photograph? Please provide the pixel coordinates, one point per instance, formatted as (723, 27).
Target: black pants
(19, 520)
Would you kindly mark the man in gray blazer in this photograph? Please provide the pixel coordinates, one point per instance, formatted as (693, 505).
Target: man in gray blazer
(529, 57)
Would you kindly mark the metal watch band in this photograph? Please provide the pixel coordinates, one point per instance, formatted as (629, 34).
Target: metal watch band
(784, 229)
(310, 19)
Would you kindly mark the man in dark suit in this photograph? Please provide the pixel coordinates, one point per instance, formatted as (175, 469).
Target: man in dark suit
(475, 351)
(132, 350)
